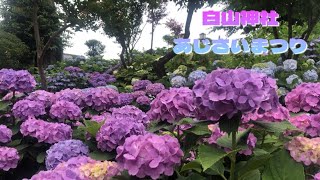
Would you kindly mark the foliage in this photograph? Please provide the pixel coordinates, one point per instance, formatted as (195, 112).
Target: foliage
(96, 48)
(12, 50)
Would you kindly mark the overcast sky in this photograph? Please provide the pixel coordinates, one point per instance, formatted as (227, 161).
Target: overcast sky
(113, 49)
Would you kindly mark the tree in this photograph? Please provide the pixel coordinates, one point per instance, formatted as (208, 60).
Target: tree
(156, 12)
(122, 20)
(96, 48)
(192, 6)
(16, 19)
(12, 50)
(175, 28)
(293, 13)
(73, 14)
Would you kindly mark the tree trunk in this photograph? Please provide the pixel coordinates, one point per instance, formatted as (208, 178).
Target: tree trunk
(38, 46)
(159, 66)
(152, 34)
(289, 14)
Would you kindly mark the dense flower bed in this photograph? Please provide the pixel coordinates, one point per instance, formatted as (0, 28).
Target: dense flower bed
(202, 127)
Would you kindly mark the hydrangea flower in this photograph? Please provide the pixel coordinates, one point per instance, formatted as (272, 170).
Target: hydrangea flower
(154, 89)
(304, 97)
(143, 100)
(5, 134)
(114, 132)
(310, 124)
(178, 81)
(73, 69)
(65, 110)
(293, 80)
(305, 150)
(80, 168)
(311, 61)
(46, 98)
(9, 96)
(112, 87)
(196, 75)
(290, 65)
(65, 150)
(141, 85)
(97, 79)
(100, 98)
(276, 115)
(227, 92)
(9, 158)
(12, 80)
(317, 176)
(100, 118)
(26, 108)
(172, 105)
(130, 112)
(71, 95)
(125, 99)
(149, 155)
(45, 131)
(137, 94)
(310, 75)
(268, 68)
(282, 91)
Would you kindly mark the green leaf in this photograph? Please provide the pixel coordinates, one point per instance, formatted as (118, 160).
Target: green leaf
(226, 140)
(193, 165)
(4, 105)
(275, 127)
(216, 169)
(92, 127)
(22, 146)
(41, 157)
(186, 121)
(14, 143)
(282, 167)
(193, 176)
(79, 133)
(200, 129)
(251, 175)
(209, 155)
(230, 125)
(253, 164)
(101, 156)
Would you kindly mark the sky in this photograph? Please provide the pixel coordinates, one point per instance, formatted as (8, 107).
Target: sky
(112, 51)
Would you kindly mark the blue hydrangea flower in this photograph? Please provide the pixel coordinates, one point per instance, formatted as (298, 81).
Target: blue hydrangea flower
(290, 65)
(310, 75)
(196, 75)
(293, 80)
(178, 81)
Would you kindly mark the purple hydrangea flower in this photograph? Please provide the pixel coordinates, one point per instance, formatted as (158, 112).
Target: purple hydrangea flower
(305, 150)
(276, 115)
(71, 95)
(114, 132)
(100, 118)
(227, 92)
(310, 124)
(12, 80)
(149, 155)
(125, 99)
(130, 112)
(317, 176)
(45, 131)
(137, 94)
(100, 98)
(65, 150)
(9, 96)
(172, 105)
(141, 85)
(26, 108)
(9, 158)
(65, 110)
(46, 98)
(304, 97)
(73, 69)
(143, 100)
(97, 79)
(5, 134)
(154, 89)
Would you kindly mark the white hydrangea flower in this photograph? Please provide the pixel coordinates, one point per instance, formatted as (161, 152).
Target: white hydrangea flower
(290, 65)
(310, 75)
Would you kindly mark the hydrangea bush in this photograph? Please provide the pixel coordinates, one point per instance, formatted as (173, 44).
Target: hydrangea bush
(227, 124)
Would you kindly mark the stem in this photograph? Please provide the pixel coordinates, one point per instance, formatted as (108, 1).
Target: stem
(263, 137)
(233, 156)
(178, 133)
